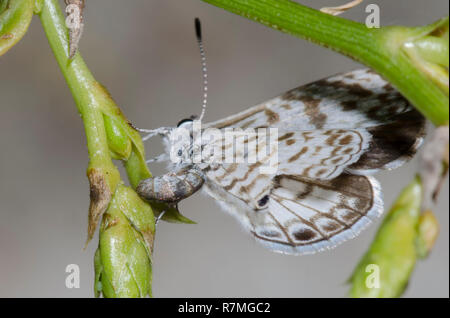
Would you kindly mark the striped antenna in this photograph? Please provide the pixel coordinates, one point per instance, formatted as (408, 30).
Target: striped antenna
(198, 33)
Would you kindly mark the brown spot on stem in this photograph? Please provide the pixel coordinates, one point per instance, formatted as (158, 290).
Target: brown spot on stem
(100, 196)
(7, 36)
(110, 222)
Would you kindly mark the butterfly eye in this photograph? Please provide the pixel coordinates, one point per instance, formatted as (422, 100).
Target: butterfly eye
(181, 122)
(263, 201)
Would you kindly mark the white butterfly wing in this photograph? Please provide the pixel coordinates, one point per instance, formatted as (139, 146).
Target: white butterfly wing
(307, 216)
(308, 204)
(359, 99)
(320, 154)
(331, 133)
(300, 215)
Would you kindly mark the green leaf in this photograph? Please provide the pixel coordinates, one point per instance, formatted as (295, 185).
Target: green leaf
(171, 214)
(118, 140)
(136, 167)
(139, 214)
(428, 231)
(15, 18)
(98, 267)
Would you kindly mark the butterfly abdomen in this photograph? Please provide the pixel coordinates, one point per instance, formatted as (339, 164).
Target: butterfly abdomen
(171, 187)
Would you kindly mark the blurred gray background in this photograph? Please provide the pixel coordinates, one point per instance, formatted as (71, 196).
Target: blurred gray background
(145, 53)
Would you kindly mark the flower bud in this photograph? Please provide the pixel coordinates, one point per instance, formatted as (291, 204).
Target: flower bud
(118, 141)
(123, 258)
(385, 269)
(428, 233)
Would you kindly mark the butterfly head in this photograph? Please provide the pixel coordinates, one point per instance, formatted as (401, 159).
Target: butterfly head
(180, 141)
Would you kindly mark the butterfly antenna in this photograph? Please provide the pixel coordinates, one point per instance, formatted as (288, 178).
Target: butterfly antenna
(198, 33)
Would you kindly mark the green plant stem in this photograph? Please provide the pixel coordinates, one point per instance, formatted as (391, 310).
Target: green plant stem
(123, 258)
(82, 85)
(94, 103)
(380, 49)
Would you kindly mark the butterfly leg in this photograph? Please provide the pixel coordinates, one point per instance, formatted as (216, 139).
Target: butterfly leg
(159, 158)
(153, 132)
(159, 217)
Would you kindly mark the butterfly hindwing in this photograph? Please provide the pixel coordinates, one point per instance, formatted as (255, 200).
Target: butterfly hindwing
(302, 215)
(306, 216)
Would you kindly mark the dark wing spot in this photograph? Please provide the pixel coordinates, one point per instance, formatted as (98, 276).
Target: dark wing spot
(297, 155)
(304, 235)
(307, 191)
(307, 136)
(393, 141)
(330, 140)
(348, 150)
(346, 140)
(272, 117)
(353, 89)
(331, 226)
(316, 118)
(263, 201)
(336, 160)
(286, 136)
(388, 87)
(349, 216)
(318, 149)
(290, 142)
(349, 105)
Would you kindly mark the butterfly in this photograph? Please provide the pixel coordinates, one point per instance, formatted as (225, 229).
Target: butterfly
(332, 136)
